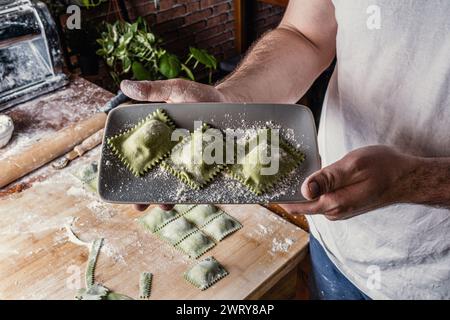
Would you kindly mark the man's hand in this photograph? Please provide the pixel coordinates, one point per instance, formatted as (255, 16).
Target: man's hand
(170, 91)
(365, 179)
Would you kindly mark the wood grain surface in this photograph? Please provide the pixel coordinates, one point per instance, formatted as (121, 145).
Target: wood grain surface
(38, 261)
(42, 117)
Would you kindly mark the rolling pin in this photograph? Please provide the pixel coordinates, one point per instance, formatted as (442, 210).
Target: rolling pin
(55, 145)
(87, 145)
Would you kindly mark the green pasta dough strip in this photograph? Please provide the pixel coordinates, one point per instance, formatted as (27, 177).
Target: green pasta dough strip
(92, 262)
(145, 285)
(145, 145)
(205, 273)
(248, 172)
(95, 291)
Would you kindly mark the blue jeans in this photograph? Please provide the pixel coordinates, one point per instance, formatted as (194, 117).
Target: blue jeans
(327, 282)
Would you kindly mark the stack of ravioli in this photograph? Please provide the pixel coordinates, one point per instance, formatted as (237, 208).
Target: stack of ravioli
(150, 143)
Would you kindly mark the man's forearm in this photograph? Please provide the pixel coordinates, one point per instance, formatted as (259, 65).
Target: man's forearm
(280, 68)
(429, 182)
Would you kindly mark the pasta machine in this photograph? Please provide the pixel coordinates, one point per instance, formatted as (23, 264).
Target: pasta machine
(31, 62)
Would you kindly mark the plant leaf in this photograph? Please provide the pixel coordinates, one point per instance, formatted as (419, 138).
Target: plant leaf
(109, 46)
(114, 33)
(101, 52)
(169, 66)
(188, 72)
(203, 57)
(140, 72)
(115, 77)
(126, 64)
(110, 61)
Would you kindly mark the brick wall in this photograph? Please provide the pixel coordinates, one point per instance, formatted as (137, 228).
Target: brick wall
(207, 24)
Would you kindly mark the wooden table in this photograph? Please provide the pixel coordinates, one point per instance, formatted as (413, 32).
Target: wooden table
(38, 260)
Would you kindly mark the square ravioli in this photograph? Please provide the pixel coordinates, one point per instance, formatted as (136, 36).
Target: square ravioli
(143, 146)
(188, 165)
(221, 227)
(249, 171)
(158, 218)
(205, 273)
(202, 214)
(176, 231)
(196, 245)
(183, 208)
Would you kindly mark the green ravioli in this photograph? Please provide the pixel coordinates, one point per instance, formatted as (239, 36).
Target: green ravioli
(249, 170)
(205, 273)
(145, 145)
(184, 165)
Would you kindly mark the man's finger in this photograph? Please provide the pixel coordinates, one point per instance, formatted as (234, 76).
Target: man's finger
(166, 207)
(324, 181)
(147, 90)
(321, 205)
(140, 207)
(310, 207)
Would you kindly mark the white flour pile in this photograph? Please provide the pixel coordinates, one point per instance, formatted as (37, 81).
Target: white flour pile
(6, 130)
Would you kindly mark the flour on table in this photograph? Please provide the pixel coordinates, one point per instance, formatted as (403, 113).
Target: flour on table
(282, 245)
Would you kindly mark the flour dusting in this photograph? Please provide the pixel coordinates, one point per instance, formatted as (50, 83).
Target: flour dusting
(282, 245)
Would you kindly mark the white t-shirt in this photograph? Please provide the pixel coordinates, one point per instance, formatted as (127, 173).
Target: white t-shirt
(391, 86)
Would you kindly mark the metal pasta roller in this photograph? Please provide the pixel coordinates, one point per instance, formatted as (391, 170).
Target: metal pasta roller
(30, 54)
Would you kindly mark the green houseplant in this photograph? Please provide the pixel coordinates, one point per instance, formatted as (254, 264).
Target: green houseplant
(132, 50)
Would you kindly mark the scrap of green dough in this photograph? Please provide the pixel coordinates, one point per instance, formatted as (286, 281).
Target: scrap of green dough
(88, 175)
(196, 245)
(117, 296)
(99, 292)
(205, 273)
(158, 218)
(145, 285)
(94, 292)
(92, 261)
(176, 231)
(221, 227)
(145, 145)
(202, 214)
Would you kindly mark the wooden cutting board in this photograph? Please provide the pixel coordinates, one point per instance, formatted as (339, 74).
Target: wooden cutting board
(38, 261)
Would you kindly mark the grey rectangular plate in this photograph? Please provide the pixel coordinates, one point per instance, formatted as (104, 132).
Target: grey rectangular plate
(296, 123)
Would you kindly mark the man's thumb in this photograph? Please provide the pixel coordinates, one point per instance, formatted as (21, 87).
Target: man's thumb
(146, 90)
(323, 181)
